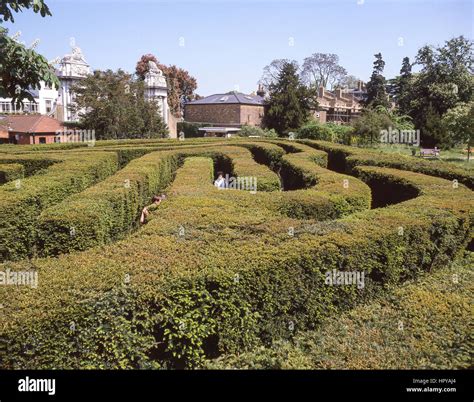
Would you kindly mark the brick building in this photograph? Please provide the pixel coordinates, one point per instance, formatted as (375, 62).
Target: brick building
(233, 109)
(32, 129)
(341, 105)
(4, 137)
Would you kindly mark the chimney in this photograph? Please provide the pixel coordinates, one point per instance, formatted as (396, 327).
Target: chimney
(339, 93)
(321, 92)
(260, 91)
(360, 84)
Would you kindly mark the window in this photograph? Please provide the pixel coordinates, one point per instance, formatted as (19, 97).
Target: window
(5, 107)
(42, 140)
(49, 105)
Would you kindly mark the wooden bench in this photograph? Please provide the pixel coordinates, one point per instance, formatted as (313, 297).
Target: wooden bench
(429, 152)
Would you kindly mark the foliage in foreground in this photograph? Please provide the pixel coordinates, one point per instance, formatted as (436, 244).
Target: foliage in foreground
(233, 281)
(423, 324)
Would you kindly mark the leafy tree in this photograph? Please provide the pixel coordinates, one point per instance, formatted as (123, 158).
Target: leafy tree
(290, 101)
(272, 71)
(401, 87)
(323, 69)
(445, 80)
(114, 105)
(21, 69)
(368, 126)
(7, 6)
(181, 85)
(376, 93)
(349, 81)
(459, 123)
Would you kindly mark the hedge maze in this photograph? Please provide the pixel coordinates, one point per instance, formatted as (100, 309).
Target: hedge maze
(214, 272)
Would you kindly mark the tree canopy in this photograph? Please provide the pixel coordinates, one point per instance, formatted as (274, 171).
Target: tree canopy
(376, 92)
(323, 69)
(290, 101)
(21, 68)
(114, 105)
(445, 80)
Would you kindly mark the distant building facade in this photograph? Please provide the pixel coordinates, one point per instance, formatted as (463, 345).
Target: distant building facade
(72, 69)
(44, 102)
(59, 102)
(232, 109)
(235, 109)
(340, 106)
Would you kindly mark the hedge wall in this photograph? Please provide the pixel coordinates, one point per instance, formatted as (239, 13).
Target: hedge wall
(21, 205)
(424, 324)
(324, 194)
(107, 211)
(11, 171)
(346, 158)
(110, 210)
(232, 278)
(31, 163)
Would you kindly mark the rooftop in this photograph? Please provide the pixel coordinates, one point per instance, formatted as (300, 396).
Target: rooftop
(232, 97)
(32, 124)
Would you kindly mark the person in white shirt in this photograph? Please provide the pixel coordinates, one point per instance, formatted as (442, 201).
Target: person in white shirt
(220, 181)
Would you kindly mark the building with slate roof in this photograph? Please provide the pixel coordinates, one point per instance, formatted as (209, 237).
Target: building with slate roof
(231, 109)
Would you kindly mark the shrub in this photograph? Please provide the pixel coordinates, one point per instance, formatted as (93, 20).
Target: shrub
(343, 158)
(254, 131)
(11, 171)
(421, 325)
(316, 131)
(21, 206)
(368, 126)
(233, 279)
(342, 133)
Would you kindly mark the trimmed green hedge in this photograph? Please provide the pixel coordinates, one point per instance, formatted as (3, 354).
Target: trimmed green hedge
(346, 158)
(107, 211)
(110, 210)
(20, 206)
(424, 324)
(217, 272)
(245, 166)
(11, 171)
(31, 163)
(322, 194)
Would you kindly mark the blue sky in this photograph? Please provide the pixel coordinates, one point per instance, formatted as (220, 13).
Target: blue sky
(228, 43)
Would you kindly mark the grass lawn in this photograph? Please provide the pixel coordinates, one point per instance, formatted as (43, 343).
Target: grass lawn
(457, 156)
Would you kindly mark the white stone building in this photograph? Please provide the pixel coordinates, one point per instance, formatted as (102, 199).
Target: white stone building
(45, 102)
(72, 69)
(157, 89)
